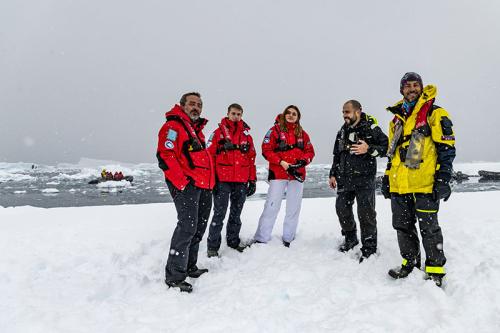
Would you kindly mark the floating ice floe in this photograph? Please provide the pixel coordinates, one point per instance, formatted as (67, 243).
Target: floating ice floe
(114, 184)
(82, 174)
(50, 190)
(8, 175)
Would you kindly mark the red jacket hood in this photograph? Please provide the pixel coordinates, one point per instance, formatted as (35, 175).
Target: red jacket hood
(230, 124)
(178, 112)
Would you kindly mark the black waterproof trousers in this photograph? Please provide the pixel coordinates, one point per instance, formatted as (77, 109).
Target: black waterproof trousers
(193, 206)
(225, 192)
(406, 210)
(365, 199)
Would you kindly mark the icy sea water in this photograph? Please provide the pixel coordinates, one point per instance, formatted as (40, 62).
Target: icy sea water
(67, 185)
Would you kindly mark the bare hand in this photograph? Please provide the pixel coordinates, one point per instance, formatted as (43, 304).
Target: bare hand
(284, 165)
(360, 148)
(332, 182)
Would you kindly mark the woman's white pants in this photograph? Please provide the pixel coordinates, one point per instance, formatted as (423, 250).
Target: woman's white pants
(277, 188)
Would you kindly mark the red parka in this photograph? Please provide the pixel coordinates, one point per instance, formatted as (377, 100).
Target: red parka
(181, 151)
(233, 151)
(281, 145)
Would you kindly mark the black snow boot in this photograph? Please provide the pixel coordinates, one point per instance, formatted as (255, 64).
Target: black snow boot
(212, 253)
(437, 278)
(240, 247)
(286, 244)
(196, 272)
(366, 253)
(403, 271)
(351, 240)
(182, 285)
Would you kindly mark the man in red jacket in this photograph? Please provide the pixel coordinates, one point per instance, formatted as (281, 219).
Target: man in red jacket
(233, 151)
(189, 173)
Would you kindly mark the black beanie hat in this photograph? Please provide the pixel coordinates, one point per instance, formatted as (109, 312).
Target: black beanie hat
(410, 76)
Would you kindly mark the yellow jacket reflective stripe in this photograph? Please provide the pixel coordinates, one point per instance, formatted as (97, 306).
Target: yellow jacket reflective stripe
(403, 180)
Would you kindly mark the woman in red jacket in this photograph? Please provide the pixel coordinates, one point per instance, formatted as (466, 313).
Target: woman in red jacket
(288, 150)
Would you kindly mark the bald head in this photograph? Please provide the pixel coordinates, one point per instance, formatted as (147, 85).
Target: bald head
(351, 111)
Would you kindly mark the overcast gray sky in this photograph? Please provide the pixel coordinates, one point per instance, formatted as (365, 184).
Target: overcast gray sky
(94, 78)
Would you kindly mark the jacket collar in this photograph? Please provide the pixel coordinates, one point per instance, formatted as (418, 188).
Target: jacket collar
(231, 124)
(429, 92)
(178, 112)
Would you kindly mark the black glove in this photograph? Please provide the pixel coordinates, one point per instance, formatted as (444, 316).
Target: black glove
(300, 164)
(441, 188)
(292, 171)
(385, 189)
(251, 187)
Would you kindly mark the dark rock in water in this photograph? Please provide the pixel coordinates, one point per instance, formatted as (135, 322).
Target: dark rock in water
(459, 176)
(488, 175)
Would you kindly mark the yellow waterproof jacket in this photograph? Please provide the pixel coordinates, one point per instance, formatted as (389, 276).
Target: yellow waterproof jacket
(438, 147)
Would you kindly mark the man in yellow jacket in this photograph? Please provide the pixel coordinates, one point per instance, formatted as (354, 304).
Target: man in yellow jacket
(421, 153)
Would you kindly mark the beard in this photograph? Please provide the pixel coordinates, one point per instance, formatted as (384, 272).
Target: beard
(350, 121)
(194, 115)
(412, 96)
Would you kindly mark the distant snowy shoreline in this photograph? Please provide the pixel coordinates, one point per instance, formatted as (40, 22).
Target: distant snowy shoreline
(67, 185)
(89, 168)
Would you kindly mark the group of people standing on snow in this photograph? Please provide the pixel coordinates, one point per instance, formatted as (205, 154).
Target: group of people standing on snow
(420, 149)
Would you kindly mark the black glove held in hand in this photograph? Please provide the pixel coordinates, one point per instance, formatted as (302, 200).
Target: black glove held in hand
(385, 189)
(251, 187)
(441, 190)
(292, 171)
(300, 164)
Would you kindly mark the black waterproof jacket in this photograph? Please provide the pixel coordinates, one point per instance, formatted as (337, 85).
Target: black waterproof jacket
(352, 171)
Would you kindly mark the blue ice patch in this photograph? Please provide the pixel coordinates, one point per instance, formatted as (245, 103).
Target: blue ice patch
(171, 135)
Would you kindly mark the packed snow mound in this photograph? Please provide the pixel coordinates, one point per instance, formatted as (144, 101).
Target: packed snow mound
(101, 269)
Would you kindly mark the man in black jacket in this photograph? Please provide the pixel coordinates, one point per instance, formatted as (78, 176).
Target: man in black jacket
(358, 143)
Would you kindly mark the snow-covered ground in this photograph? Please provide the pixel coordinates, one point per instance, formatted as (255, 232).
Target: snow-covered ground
(100, 269)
